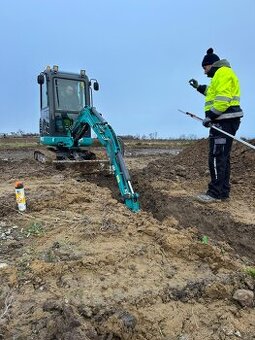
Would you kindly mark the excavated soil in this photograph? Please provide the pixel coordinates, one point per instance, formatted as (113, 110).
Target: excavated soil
(79, 265)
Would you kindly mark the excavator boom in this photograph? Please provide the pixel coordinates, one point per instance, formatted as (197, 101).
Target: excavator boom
(108, 139)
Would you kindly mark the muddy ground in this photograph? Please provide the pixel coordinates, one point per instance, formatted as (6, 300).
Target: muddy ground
(79, 265)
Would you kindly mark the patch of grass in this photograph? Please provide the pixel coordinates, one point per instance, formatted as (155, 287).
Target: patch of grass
(204, 239)
(50, 256)
(34, 229)
(18, 142)
(18, 145)
(250, 271)
(23, 266)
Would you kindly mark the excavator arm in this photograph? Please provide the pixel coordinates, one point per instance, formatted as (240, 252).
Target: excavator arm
(108, 139)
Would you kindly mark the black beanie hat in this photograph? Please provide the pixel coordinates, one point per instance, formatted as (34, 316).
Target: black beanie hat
(210, 58)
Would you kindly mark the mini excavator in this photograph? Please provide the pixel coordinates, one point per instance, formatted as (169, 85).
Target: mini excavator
(67, 117)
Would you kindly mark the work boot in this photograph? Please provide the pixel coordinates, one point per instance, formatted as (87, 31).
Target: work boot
(205, 198)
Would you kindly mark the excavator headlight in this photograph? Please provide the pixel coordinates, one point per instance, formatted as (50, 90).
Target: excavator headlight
(55, 68)
(82, 73)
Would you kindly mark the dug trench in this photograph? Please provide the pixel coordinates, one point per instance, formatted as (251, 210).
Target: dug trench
(218, 226)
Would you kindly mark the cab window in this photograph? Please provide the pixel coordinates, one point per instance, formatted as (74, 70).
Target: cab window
(69, 95)
(44, 95)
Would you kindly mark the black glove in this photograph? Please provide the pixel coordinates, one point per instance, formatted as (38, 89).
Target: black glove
(207, 122)
(210, 114)
(193, 83)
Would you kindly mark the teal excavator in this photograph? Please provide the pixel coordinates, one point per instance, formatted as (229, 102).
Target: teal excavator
(67, 117)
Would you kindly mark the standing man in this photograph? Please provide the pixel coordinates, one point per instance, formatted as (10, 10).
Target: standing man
(222, 109)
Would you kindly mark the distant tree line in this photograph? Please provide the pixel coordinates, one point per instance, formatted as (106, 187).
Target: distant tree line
(150, 136)
(154, 136)
(18, 133)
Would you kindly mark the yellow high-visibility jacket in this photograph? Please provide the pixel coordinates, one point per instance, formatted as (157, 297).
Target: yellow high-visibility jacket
(222, 96)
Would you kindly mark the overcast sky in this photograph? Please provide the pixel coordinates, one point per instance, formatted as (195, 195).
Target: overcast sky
(142, 52)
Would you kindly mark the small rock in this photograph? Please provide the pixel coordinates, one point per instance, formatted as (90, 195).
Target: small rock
(249, 281)
(85, 311)
(170, 272)
(183, 337)
(238, 334)
(129, 320)
(244, 297)
(3, 265)
(180, 167)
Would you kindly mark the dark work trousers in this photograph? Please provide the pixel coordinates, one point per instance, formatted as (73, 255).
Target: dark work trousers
(219, 157)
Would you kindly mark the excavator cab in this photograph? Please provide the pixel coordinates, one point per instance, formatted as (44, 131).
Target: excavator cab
(62, 96)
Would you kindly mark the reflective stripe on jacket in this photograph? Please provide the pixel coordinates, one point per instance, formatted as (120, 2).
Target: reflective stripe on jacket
(222, 96)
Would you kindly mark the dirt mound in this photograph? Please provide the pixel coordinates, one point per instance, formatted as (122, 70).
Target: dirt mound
(192, 162)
